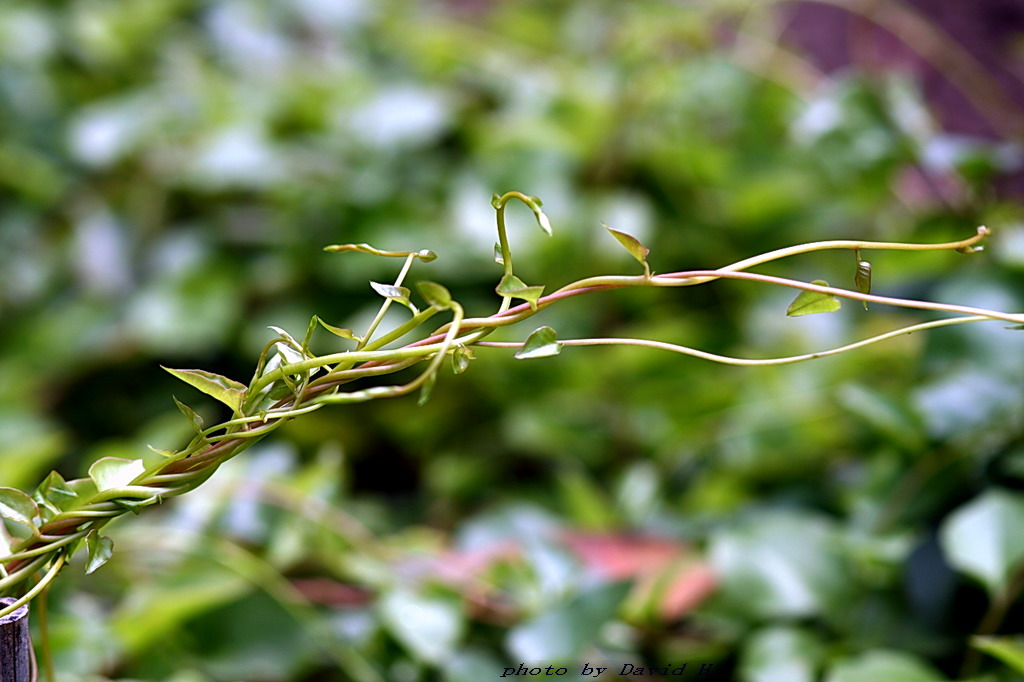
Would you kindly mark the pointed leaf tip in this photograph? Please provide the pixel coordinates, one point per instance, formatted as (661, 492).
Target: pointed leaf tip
(543, 221)
(634, 246)
(542, 343)
(227, 391)
(810, 302)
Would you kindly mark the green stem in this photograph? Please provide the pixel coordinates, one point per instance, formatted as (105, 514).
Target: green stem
(745, 362)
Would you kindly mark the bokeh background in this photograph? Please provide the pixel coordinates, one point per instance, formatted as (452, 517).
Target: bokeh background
(171, 169)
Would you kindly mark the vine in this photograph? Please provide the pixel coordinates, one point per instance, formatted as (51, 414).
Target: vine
(57, 519)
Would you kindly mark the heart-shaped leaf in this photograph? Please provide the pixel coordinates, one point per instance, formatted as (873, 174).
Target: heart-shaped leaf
(810, 302)
(541, 343)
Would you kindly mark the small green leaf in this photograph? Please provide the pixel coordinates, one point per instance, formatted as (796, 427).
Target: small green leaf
(115, 472)
(510, 285)
(635, 248)
(461, 357)
(338, 331)
(499, 257)
(394, 293)
(228, 391)
(810, 302)
(18, 507)
(100, 549)
(191, 415)
(495, 200)
(1009, 650)
(435, 294)
(541, 343)
(542, 220)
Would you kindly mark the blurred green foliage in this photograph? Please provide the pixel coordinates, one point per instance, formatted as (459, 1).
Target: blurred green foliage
(169, 172)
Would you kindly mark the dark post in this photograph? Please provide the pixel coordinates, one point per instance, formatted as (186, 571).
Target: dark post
(16, 658)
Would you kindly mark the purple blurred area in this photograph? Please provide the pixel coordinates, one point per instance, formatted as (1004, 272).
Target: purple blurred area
(966, 55)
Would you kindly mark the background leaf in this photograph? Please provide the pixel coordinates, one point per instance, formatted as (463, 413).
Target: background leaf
(985, 538)
(430, 627)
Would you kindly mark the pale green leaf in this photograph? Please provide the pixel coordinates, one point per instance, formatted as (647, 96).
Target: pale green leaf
(285, 336)
(115, 472)
(985, 538)
(429, 627)
(635, 248)
(541, 343)
(810, 302)
(499, 257)
(543, 221)
(18, 507)
(394, 293)
(100, 550)
(227, 391)
(781, 564)
(435, 294)
(781, 653)
(561, 632)
(1009, 650)
(390, 290)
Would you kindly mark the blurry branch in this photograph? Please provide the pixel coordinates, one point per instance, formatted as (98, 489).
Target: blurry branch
(47, 526)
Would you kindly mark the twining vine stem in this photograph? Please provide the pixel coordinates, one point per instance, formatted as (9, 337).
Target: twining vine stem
(49, 524)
